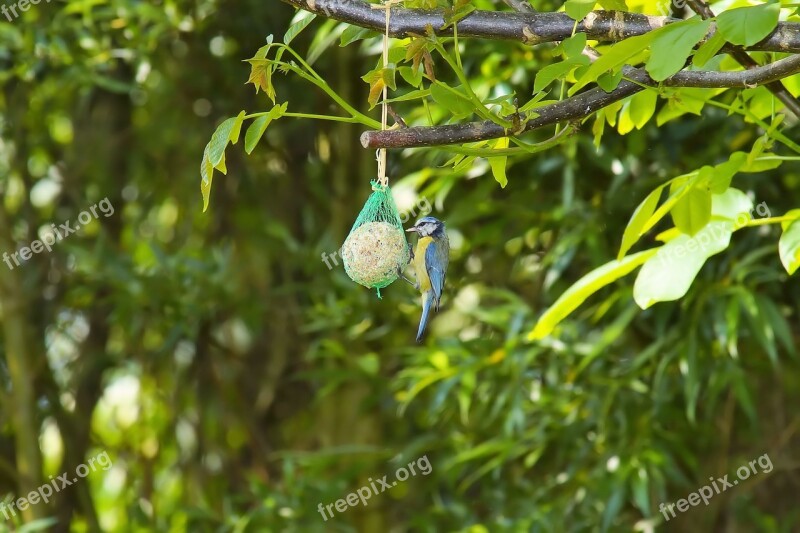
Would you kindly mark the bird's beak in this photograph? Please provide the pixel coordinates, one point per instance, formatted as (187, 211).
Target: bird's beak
(414, 230)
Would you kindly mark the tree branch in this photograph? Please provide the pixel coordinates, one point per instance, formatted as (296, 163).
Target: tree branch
(743, 58)
(529, 28)
(578, 106)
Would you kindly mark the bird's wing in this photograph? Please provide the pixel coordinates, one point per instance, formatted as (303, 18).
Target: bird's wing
(436, 260)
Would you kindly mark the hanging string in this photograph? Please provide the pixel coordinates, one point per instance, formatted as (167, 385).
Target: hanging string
(387, 7)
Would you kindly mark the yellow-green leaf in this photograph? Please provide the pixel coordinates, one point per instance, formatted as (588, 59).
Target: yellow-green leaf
(643, 107)
(613, 58)
(555, 71)
(747, 25)
(668, 274)
(299, 22)
(221, 165)
(672, 46)
(261, 76)
(206, 175)
(789, 247)
(451, 99)
(219, 140)
(379, 78)
(578, 9)
(724, 172)
(791, 213)
(498, 164)
(585, 287)
(259, 126)
(692, 212)
(708, 49)
(634, 228)
(237, 127)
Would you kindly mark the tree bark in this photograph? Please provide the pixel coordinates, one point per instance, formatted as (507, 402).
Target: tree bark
(576, 107)
(529, 28)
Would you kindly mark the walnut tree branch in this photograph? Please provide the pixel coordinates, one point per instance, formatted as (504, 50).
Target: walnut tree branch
(578, 106)
(529, 28)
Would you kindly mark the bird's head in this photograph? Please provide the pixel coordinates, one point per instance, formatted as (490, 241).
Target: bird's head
(428, 227)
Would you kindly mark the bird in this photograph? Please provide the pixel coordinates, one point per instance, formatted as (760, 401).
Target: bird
(430, 259)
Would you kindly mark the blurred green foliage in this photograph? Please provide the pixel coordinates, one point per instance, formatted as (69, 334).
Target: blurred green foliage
(237, 382)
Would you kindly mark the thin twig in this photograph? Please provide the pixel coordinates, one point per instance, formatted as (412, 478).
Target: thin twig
(397, 118)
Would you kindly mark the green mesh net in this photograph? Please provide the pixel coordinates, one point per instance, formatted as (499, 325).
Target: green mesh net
(376, 250)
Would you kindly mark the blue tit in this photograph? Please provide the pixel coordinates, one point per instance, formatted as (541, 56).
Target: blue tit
(431, 258)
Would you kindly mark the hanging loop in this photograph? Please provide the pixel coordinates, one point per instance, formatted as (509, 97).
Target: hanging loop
(387, 7)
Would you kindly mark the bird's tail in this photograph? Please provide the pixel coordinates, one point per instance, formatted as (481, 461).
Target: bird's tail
(427, 303)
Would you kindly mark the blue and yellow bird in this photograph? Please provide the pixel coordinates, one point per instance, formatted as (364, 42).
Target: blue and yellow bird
(430, 259)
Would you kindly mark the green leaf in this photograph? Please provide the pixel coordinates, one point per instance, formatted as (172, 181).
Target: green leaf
(411, 95)
(731, 205)
(759, 326)
(41, 524)
(585, 287)
(299, 23)
(641, 493)
(460, 9)
(724, 172)
(555, 71)
(643, 107)
(378, 78)
(790, 213)
(746, 26)
(578, 9)
(259, 126)
(597, 130)
(624, 123)
(412, 76)
(739, 387)
(613, 506)
(635, 226)
(221, 165)
(609, 81)
(686, 100)
(761, 166)
(498, 164)
(672, 46)
(708, 49)
(261, 76)
(219, 140)
(572, 46)
(678, 188)
(776, 319)
(237, 127)
(206, 175)
(692, 212)
(789, 247)
(451, 99)
(613, 58)
(613, 5)
(355, 33)
(668, 275)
